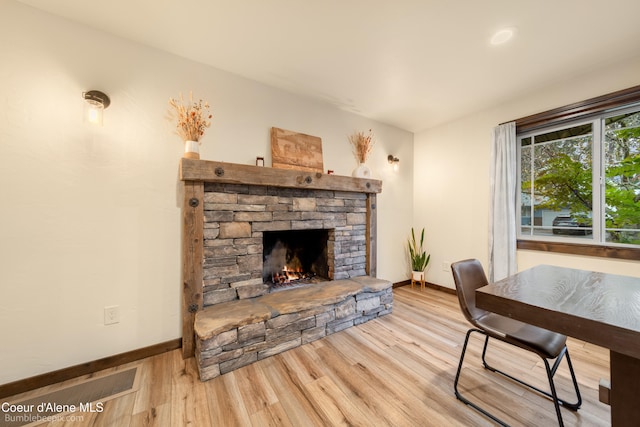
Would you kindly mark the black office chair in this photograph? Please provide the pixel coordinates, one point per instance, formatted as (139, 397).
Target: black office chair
(469, 276)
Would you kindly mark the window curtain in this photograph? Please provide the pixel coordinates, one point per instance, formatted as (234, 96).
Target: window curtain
(502, 210)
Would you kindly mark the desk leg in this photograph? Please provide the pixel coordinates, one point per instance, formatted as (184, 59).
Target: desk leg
(625, 388)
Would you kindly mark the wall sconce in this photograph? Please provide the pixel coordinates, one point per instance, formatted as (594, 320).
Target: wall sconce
(94, 107)
(393, 161)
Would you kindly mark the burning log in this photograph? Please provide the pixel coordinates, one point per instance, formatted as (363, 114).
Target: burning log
(287, 275)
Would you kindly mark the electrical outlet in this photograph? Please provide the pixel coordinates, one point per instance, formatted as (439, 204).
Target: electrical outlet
(446, 266)
(112, 315)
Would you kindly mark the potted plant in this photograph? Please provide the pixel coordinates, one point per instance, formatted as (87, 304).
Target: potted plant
(419, 258)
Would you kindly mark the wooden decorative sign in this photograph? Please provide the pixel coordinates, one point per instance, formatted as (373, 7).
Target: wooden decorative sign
(293, 150)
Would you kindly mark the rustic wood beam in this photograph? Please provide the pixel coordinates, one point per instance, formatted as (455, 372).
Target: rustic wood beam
(372, 234)
(192, 255)
(233, 173)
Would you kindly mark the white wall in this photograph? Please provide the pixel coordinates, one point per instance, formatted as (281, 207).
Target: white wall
(90, 217)
(451, 179)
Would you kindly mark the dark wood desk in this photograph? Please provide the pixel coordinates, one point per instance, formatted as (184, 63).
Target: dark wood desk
(603, 309)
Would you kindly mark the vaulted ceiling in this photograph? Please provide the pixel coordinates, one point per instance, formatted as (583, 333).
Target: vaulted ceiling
(409, 63)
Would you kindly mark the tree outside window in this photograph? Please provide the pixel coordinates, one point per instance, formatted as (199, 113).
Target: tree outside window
(622, 178)
(560, 199)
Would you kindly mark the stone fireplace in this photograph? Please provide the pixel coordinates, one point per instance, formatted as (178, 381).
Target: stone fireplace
(273, 259)
(239, 219)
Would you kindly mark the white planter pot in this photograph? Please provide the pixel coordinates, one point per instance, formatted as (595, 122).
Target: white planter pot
(417, 278)
(191, 149)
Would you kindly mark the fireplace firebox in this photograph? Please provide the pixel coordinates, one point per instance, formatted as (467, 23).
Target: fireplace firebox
(295, 257)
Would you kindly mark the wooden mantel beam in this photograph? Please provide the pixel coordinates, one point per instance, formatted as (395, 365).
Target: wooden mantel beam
(233, 173)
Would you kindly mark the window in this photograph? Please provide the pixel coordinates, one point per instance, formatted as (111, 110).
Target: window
(580, 181)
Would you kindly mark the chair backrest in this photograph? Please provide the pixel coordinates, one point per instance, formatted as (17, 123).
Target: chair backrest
(468, 276)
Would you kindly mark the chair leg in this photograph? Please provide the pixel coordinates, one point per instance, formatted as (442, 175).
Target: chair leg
(455, 383)
(554, 395)
(572, 406)
(552, 371)
(550, 374)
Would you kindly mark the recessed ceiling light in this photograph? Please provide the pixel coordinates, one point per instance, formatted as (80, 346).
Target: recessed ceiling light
(502, 36)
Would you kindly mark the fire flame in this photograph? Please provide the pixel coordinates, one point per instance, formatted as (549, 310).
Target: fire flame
(288, 275)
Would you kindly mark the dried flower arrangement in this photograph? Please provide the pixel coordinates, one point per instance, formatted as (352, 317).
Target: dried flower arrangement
(193, 118)
(362, 145)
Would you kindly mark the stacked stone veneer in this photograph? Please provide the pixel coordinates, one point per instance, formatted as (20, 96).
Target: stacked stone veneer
(242, 322)
(236, 216)
(235, 334)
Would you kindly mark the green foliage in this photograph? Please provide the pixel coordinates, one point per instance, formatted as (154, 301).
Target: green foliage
(622, 192)
(565, 182)
(419, 257)
(562, 178)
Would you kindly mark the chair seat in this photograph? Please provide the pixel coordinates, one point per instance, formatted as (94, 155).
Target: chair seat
(546, 343)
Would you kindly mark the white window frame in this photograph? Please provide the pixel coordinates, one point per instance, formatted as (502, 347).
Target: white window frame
(598, 235)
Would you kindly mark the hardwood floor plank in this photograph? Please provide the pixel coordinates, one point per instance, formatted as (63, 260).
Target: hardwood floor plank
(337, 407)
(117, 412)
(189, 404)
(382, 396)
(367, 390)
(156, 416)
(406, 383)
(303, 364)
(291, 393)
(272, 416)
(225, 401)
(153, 404)
(255, 389)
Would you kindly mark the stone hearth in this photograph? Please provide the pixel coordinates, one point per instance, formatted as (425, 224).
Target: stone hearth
(241, 332)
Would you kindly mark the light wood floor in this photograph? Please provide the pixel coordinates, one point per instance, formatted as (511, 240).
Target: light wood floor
(397, 371)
